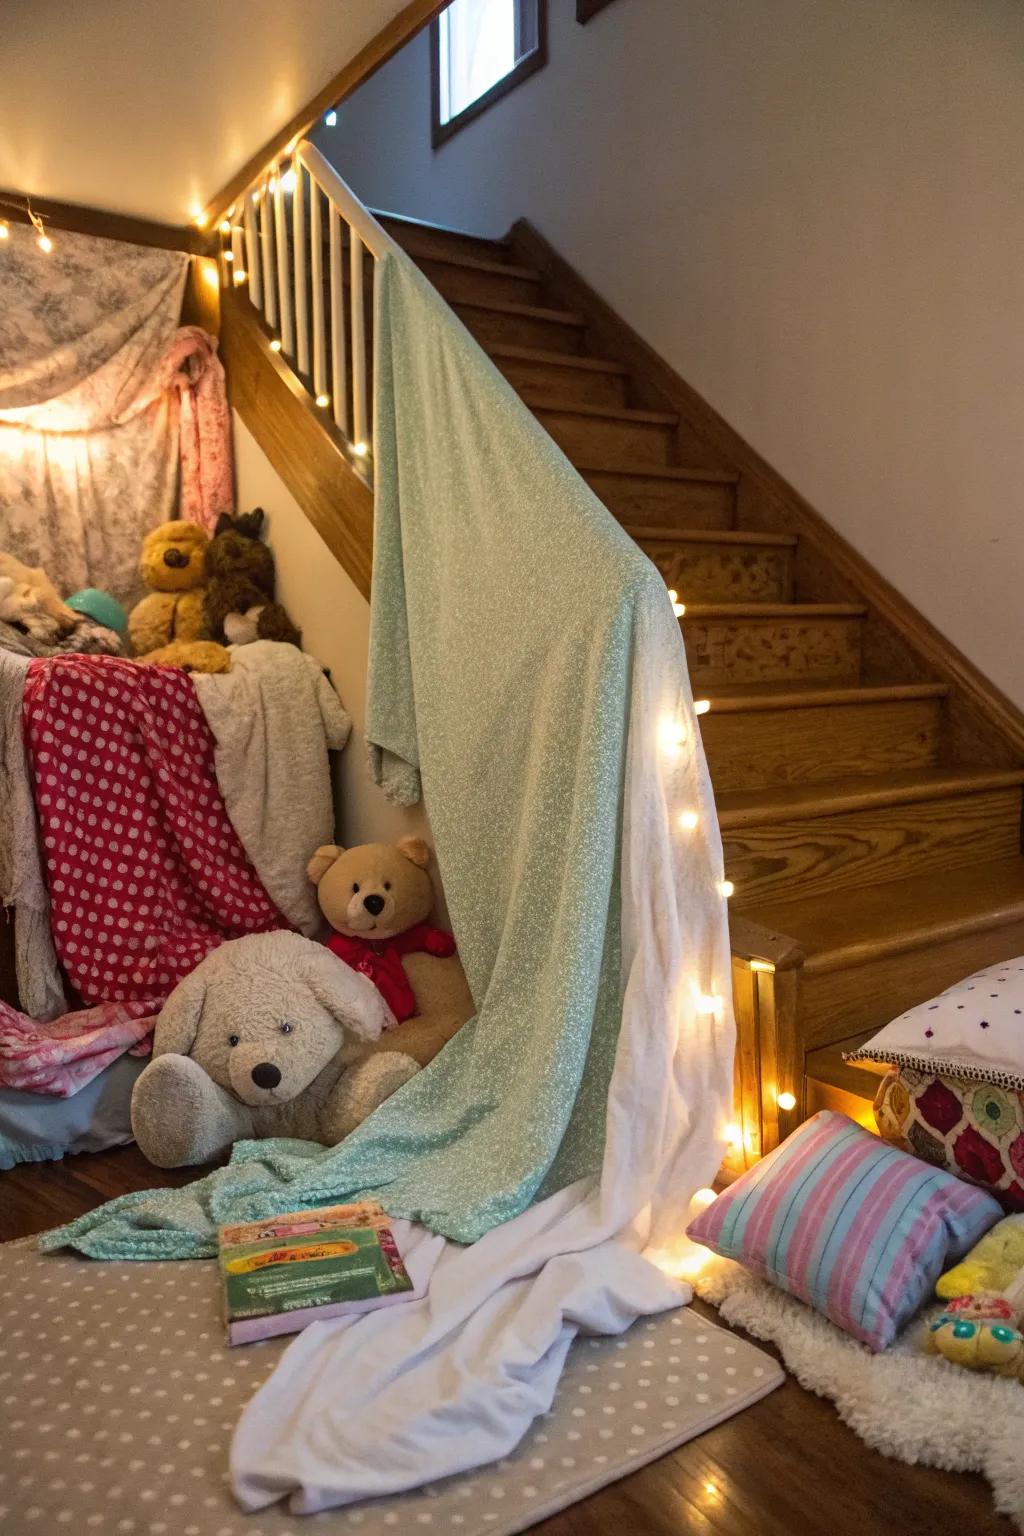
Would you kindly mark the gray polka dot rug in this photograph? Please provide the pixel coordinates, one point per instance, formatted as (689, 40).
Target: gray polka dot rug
(119, 1397)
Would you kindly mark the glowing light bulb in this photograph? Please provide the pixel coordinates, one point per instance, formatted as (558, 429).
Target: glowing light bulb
(275, 345)
(763, 965)
(786, 1100)
(707, 1002)
(678, 608)
(199, 218)
(734, 1134)
(229, 255)
(5, 229)
(672, 735)
(45, 244)
(701, 706)
(702, 1198)
(225, 226)
(688, 820)
(725, 888)
(240, 275)
(330, 119)
(360, 450)
(323, 401)
(288, 181)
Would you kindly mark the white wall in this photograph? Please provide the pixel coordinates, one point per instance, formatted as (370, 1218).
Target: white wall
(813, 209)
(334, 618)
(148, 107)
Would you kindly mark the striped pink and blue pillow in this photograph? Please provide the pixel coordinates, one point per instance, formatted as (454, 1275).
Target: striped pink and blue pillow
(856, 1228)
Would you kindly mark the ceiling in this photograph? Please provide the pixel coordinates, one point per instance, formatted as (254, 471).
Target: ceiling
(148, 107)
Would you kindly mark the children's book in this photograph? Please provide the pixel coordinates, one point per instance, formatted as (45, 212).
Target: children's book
(288, 1271)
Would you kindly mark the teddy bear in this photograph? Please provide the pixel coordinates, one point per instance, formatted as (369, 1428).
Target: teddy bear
(239, 605)
(29, 599)
(377, 898)
(267, 1036)
(172, 567)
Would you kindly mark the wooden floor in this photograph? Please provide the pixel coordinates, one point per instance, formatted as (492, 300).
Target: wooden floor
(786, 1467)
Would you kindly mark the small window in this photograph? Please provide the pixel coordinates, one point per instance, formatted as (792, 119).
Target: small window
(481, 49)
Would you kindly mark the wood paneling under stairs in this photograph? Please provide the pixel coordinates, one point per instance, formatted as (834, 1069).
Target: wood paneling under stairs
(868, 779)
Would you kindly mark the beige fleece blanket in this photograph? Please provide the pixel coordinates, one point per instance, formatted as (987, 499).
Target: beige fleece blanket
(275, 717)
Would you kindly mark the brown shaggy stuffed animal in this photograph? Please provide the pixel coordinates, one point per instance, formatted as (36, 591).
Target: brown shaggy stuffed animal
(240, 604)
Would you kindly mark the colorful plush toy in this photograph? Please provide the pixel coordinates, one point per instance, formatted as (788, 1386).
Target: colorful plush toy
(980, 1326)
(172, 567)
(268, 1036)
(377, 898)
(240, 606)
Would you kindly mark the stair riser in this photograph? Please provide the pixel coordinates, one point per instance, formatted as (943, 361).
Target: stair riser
(465, 285)
(835, 1004)
(704, 573)
(822, 854)
(772, 650)
(593, 440)
(799, 746)
(491, 327)
(665, 503)
(584, 385)
(440, 244)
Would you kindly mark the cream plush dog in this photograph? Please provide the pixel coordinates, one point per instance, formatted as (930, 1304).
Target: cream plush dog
(267, 1037)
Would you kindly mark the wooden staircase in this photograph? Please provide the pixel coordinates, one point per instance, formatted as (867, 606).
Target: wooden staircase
(868, 778)
(871, 823)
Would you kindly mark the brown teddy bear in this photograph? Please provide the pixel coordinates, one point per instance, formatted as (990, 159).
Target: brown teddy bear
(172, 567)
(240, 604)
(377, 898)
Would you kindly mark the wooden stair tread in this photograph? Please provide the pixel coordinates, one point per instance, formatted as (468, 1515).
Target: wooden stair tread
(825, 797)
(704, 612)
(862, 924)
(538, 401)
(556, 359)
(741, 698)
(425, 226)
(661, 472)
(523, 311)
(481, 264)
(734, 536)
(827, 1065)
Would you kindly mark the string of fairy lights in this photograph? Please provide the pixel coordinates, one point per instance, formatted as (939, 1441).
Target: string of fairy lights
(43, 240)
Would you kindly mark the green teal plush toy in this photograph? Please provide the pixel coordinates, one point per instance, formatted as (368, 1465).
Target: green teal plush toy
(102, 608)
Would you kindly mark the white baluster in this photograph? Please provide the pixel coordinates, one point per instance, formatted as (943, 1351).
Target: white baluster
(359, 439)
(284, 276)
(339, 391)
(299, 237)
(316, 270)
(252, 253)
(266, 257)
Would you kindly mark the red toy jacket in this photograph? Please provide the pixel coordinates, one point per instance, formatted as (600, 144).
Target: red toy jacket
(382, 961)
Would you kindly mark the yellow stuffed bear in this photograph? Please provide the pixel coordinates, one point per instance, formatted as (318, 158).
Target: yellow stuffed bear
(172, 567)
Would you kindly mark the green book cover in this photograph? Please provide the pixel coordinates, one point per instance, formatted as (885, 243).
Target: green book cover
(287, 1271)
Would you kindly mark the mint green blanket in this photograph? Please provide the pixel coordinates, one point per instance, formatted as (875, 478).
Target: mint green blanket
(502, 621)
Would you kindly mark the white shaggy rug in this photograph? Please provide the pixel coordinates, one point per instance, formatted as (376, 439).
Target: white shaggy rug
(908, 1405)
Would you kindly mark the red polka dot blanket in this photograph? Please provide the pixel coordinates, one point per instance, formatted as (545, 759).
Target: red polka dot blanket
(146, 874)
